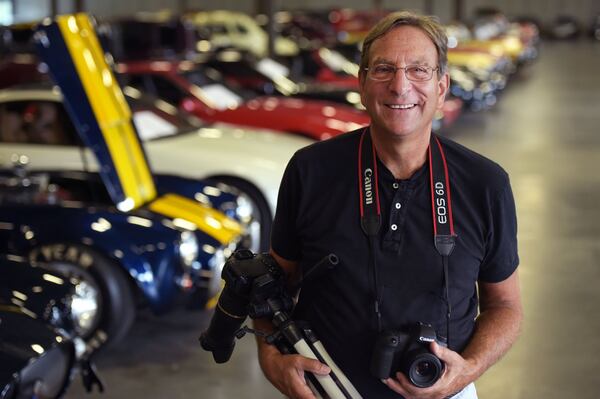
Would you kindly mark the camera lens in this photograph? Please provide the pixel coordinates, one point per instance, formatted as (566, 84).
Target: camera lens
(425, 370)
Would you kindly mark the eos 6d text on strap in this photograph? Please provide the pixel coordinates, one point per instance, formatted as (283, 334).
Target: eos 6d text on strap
(444, 237)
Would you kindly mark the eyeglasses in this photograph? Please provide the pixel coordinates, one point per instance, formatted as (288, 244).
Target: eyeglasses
(386, 72)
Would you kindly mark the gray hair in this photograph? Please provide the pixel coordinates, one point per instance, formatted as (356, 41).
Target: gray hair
(430, 25)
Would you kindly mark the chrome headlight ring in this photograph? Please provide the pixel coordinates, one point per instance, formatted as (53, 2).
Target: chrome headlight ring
(246, 213)
(245, 209)
(216, 263)
(188, 248)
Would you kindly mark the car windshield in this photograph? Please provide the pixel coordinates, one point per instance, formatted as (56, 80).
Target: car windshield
(338, 63)
(155, 118)
(263, 74)
(214, 87)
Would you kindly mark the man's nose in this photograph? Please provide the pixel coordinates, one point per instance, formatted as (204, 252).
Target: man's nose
(400, 83)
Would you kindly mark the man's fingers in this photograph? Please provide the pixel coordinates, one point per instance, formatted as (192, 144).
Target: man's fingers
(442, 352)
(297, 385)
(314, 366)
(395, 385)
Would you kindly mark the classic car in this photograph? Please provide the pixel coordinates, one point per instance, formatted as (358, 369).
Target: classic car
(497, 37)
(306, 28)
(123, 258)
(267, 76)
(167, 38)
(353, 25)
(476, 94)
(201, 91)
(121, 233)
(34, 122)
(39, 354)
(228, 29)
(323, 65)
(149, 35)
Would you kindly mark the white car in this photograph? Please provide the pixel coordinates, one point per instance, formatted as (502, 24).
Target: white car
(238, 30)
(33, 122)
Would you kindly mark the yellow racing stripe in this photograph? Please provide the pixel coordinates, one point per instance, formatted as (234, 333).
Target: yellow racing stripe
(209, 220)
(109, 107)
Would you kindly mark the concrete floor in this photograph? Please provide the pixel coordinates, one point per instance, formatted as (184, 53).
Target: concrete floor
(545, 131)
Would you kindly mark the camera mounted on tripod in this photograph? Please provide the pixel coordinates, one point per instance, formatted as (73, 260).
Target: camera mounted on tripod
(253, 281)
(255, 286)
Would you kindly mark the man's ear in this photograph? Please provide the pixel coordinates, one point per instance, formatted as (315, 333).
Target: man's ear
(361, 81)
(443, 89)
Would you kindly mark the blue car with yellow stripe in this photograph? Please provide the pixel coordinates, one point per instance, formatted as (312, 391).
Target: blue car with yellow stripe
(127, 236)
(37, 358)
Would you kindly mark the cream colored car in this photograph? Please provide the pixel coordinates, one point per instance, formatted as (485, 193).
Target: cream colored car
(33, 122)
(238, 30)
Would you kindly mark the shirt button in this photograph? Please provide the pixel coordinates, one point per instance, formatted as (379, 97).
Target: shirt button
(398, 205)
(395, 185)
(394, 227)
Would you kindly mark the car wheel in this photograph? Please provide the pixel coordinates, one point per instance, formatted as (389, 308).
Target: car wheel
(102, 308)
(263, 215)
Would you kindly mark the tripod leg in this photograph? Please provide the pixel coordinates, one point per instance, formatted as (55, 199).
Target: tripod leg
(314, 386)
(325, 381)
(335, 369)
(286, 348)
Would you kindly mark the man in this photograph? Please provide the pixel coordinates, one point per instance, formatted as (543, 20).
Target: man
(392, 273)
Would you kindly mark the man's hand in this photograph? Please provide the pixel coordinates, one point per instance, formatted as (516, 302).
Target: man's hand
(496, 329)
(454, 378)
(286, 373)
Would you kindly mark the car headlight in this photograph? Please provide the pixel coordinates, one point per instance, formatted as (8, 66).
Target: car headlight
(244, 209)
(188, 248)
(216, 263)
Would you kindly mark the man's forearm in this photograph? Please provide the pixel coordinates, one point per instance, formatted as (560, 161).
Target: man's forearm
(265, 326)
(496, 330)
(264, 349)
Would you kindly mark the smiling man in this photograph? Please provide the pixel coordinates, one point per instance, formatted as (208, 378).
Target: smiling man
(425, 231)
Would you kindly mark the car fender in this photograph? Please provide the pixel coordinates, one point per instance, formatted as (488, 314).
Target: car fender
(221, 198)
(153, 266)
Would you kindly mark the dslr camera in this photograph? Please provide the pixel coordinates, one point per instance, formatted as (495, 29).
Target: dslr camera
(407, 351)
(255, 287)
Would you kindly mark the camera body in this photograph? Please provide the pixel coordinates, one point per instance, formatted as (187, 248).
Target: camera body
(249, 281)
(254, 286)
(407, 350)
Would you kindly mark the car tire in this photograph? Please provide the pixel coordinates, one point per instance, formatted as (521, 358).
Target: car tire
(266, 219)
(101, 282)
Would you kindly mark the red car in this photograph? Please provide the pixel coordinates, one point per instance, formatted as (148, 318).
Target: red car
(201, 91)
(323, 65)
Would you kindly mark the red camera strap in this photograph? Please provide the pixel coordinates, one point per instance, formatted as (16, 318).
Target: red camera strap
(444, 236)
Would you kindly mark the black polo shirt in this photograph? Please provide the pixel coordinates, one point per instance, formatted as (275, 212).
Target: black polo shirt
(318, 213)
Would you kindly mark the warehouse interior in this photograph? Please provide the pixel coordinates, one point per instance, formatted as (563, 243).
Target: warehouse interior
(541, 126)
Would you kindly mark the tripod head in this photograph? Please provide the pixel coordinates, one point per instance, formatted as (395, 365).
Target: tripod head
(250, 280)
(255, 287)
